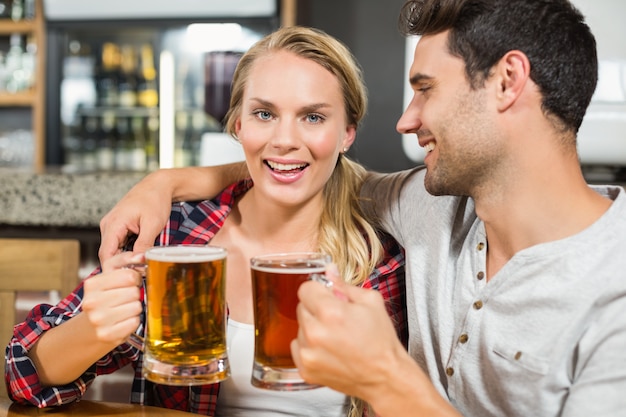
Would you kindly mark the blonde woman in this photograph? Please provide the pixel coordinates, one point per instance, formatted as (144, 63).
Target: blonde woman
(297, 100)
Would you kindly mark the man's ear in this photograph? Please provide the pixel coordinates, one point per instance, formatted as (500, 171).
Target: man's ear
(512, 73)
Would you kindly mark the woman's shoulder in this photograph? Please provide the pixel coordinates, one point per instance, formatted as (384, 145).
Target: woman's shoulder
(391, 267)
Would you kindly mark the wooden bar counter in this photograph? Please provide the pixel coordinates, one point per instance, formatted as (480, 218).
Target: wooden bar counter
(87, 408)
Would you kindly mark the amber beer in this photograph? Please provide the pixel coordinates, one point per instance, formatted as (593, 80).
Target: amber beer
(186, 315)
(275, 282)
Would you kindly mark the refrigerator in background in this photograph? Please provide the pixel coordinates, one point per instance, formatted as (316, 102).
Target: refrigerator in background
(133, 85)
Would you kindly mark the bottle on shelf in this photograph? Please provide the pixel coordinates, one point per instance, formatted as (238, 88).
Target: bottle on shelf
(138, 158)
(123, 145)
(3, 72)
(14, 74)
(5, 9)
(105, 153)
(147, 94)
(152, 144)
(108, 75)
(29, 62)
(72, 149)
(127, 86)
(90, 144)
(29, 9)
(17, 10)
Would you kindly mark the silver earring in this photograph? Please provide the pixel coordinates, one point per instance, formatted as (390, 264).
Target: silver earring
(345, 150)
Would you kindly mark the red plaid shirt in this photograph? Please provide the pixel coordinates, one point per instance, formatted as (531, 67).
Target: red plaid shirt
(190, 223)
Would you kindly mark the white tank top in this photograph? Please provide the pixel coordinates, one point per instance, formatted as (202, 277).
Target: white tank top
(239, 398)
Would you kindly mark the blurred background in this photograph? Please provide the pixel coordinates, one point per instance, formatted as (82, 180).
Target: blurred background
(95, 95)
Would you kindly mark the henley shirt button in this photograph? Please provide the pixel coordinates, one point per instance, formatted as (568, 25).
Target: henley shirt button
(480, 246)
(478, 305)
(463, 338)
(449, 371)
(518, 355)
(480, 275)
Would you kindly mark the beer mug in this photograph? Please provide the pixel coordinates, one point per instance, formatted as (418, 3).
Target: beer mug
(185, 342)
(275, 282)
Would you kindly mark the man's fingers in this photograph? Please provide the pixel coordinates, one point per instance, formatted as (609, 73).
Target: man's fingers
(125, 259)
(109, 245)
(145, 240)
(149, 230)
(114, 236)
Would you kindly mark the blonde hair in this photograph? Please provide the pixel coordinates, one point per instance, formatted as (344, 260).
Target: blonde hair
(345, 233)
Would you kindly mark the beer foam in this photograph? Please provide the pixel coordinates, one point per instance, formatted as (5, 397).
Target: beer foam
(186, 253)
(277, 269)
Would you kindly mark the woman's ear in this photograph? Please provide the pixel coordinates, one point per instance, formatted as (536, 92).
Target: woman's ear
(349, 138)
(512, 73)
(237, 126)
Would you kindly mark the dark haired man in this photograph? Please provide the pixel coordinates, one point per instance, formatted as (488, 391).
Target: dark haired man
(517, 274)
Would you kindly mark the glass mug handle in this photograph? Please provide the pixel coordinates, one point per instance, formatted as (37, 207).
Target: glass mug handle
(321, 278)
(134, 339)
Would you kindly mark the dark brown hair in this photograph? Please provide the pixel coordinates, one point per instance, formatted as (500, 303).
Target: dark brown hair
(552, 33)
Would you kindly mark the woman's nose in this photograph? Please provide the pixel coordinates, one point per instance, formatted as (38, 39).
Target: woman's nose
(286, 134)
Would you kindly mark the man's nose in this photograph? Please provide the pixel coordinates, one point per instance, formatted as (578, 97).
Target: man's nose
(410, 121)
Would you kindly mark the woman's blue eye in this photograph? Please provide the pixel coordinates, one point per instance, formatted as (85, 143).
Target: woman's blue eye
(314, 118)
(264, 115)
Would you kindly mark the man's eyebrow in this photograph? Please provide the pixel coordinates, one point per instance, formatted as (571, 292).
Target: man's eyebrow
(418, 78)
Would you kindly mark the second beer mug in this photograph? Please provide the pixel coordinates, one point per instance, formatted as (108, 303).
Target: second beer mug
(185, 341)
(275, 282)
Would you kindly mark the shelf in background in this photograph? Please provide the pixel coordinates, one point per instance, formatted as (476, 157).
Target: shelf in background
(8, 26)
(20, 99)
